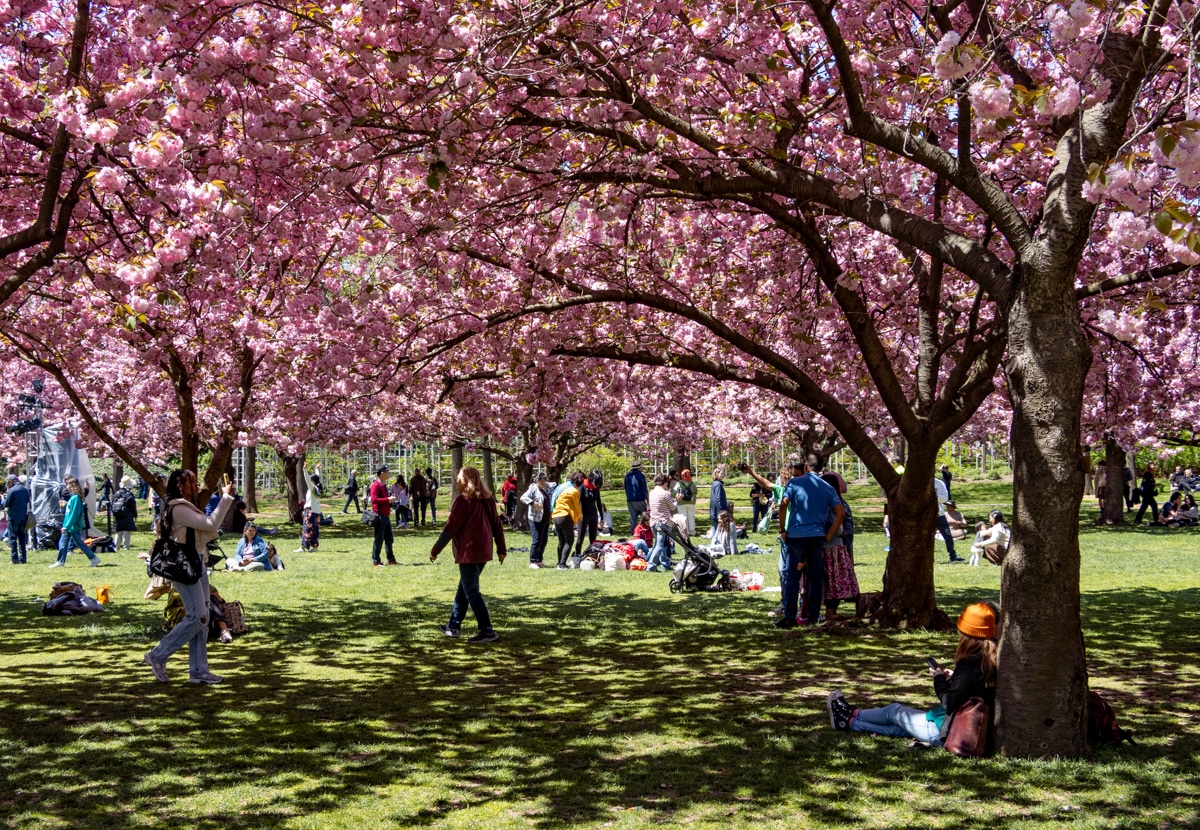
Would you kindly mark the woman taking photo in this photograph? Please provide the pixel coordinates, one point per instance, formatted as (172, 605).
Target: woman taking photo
(974, 675)
(179, 515)
(473, 527)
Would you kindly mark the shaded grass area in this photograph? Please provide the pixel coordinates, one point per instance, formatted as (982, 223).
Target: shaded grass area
(608, 703)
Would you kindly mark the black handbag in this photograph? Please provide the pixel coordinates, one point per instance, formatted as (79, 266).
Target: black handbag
(176, 561)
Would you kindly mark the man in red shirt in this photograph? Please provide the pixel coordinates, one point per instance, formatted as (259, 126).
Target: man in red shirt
(381, 503)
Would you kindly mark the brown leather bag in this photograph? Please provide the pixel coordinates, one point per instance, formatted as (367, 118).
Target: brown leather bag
(969, 730)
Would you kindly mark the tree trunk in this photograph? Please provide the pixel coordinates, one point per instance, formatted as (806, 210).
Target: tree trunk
(1112, 512)
(489, 480)
(290, 478)
(456, 464)
(524, 472)
(908, 599)
(682, 460)
(118, 472)
(1041, 691)
(251, 472)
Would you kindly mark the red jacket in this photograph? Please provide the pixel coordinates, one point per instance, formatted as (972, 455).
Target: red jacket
(646, 534)
(473, 526)
(380, 502)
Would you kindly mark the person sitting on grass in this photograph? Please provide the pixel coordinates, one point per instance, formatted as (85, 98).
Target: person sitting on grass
(957, 522)
(991, 539)
(1189, 515)
(252, 552)
(724, 542)
(643, 535)
(974, 675)
(1168, 516)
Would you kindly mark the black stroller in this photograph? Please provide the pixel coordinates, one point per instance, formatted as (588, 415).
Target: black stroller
(698, 570)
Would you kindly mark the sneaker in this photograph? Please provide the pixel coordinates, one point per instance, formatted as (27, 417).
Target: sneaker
(450, 630)
(159, 669)
(840, 712)
(300, 550)
(393, 562)
(776, 612)
(535, 565)
(562, 568)
(96, 562)
(956, 559)
(57, 564)
(226, 636)
(785, 623)
(484, 637)
(207, 678)
(376, 564)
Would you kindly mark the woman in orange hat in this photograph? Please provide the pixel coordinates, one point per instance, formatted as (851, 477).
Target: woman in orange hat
(974, 675)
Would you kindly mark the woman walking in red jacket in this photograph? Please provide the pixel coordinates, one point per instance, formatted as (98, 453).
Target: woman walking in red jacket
(473, 527)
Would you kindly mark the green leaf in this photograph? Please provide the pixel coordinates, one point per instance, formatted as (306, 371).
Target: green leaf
(1163, 222)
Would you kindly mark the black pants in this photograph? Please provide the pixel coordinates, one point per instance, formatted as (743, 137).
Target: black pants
(352, 497)
(383, 536)
(1147, 501)
(590, 524)
(565, 528)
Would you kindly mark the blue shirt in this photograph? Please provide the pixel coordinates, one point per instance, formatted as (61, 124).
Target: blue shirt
(810, 501)
(635, 486)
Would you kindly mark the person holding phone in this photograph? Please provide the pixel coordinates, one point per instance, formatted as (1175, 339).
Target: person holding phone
(974, 675)
(180, 515)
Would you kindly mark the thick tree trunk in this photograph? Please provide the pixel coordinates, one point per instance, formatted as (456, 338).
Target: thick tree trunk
(456, 464)
(251, 472)
(682, 459)
(908, 599)
(524, 472)
(291, 477)
(1112, 511)
(1041, 693)
(118, 472)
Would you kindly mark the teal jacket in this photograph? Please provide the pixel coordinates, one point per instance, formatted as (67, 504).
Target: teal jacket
(73, 522)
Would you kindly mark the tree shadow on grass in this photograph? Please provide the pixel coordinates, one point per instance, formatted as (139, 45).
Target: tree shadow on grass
(594, 703)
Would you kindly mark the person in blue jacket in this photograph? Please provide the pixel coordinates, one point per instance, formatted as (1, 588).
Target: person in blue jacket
(16, 501)
(636, 492)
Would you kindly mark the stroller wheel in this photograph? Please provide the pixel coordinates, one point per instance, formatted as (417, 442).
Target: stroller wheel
(676, 586)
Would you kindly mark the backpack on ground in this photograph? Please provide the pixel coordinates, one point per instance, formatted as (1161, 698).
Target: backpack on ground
(1102, 726)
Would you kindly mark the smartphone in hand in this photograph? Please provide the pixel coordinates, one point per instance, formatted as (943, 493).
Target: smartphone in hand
(933, 664)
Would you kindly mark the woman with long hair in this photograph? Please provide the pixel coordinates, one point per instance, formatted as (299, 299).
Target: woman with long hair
(179, 515)
(473, 527)
(974, 675)
(253, 553)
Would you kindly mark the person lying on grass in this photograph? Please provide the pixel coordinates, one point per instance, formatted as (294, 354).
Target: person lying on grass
(974, 675)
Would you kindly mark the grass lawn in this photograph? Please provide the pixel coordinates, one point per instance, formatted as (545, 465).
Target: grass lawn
(608, 703)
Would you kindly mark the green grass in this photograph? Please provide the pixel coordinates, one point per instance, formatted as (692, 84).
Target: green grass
(608, 703)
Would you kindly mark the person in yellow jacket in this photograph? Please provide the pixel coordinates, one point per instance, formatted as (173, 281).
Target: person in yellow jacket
(566, 514)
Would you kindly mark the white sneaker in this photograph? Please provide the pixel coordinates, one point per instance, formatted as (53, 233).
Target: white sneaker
(56, 564)
(300, 550)
(535, 566)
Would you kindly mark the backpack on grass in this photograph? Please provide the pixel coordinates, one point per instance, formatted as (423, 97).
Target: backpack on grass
(1102, 727)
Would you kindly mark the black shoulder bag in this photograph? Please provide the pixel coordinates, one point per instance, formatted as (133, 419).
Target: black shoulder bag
(176, 561)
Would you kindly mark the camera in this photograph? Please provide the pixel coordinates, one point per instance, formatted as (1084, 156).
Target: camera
(23, 426)
(743, 467)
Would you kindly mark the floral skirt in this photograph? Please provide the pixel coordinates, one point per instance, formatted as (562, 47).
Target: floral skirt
(310, 536)
(840, 581)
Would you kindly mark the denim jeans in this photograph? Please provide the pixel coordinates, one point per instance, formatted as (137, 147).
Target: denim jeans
(70, 539)
(468, 594)
(352, 497)
(432, 502)
(661, 555)
(643, 550)
(539, 533)
(636, 509)
(943, 526)
(897, 721)
(757, 514)
(192, 629)
(16, 539)
(809, 550)
(383, 537)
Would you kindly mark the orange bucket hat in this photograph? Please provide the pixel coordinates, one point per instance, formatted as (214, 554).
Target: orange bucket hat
(978, 620)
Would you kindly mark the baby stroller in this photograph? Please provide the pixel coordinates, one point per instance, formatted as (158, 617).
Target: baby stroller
(698, 570)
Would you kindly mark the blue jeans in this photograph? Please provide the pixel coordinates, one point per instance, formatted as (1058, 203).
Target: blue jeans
(539, 534)
(943, 526)
(636, 509)
(897, 721)
(70, 539)
(642, 549)
(468, 594)
(661, 555)
(192, 629)
(809, 550)
(16, 539)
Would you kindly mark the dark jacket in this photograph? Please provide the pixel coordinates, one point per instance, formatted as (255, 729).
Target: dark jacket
(124, 510)
(589, 499)
(635, 486)
(17, 502)
(965, 683)
(473, 526)
(418, 488)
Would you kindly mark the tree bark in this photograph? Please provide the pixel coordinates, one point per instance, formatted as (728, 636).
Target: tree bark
(908, 599)
(456, 464)
(1112, 511)
(1041, 691)
(489, 479)
(682, 459)
(251, 471)
(291, 477)
(524, 471)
